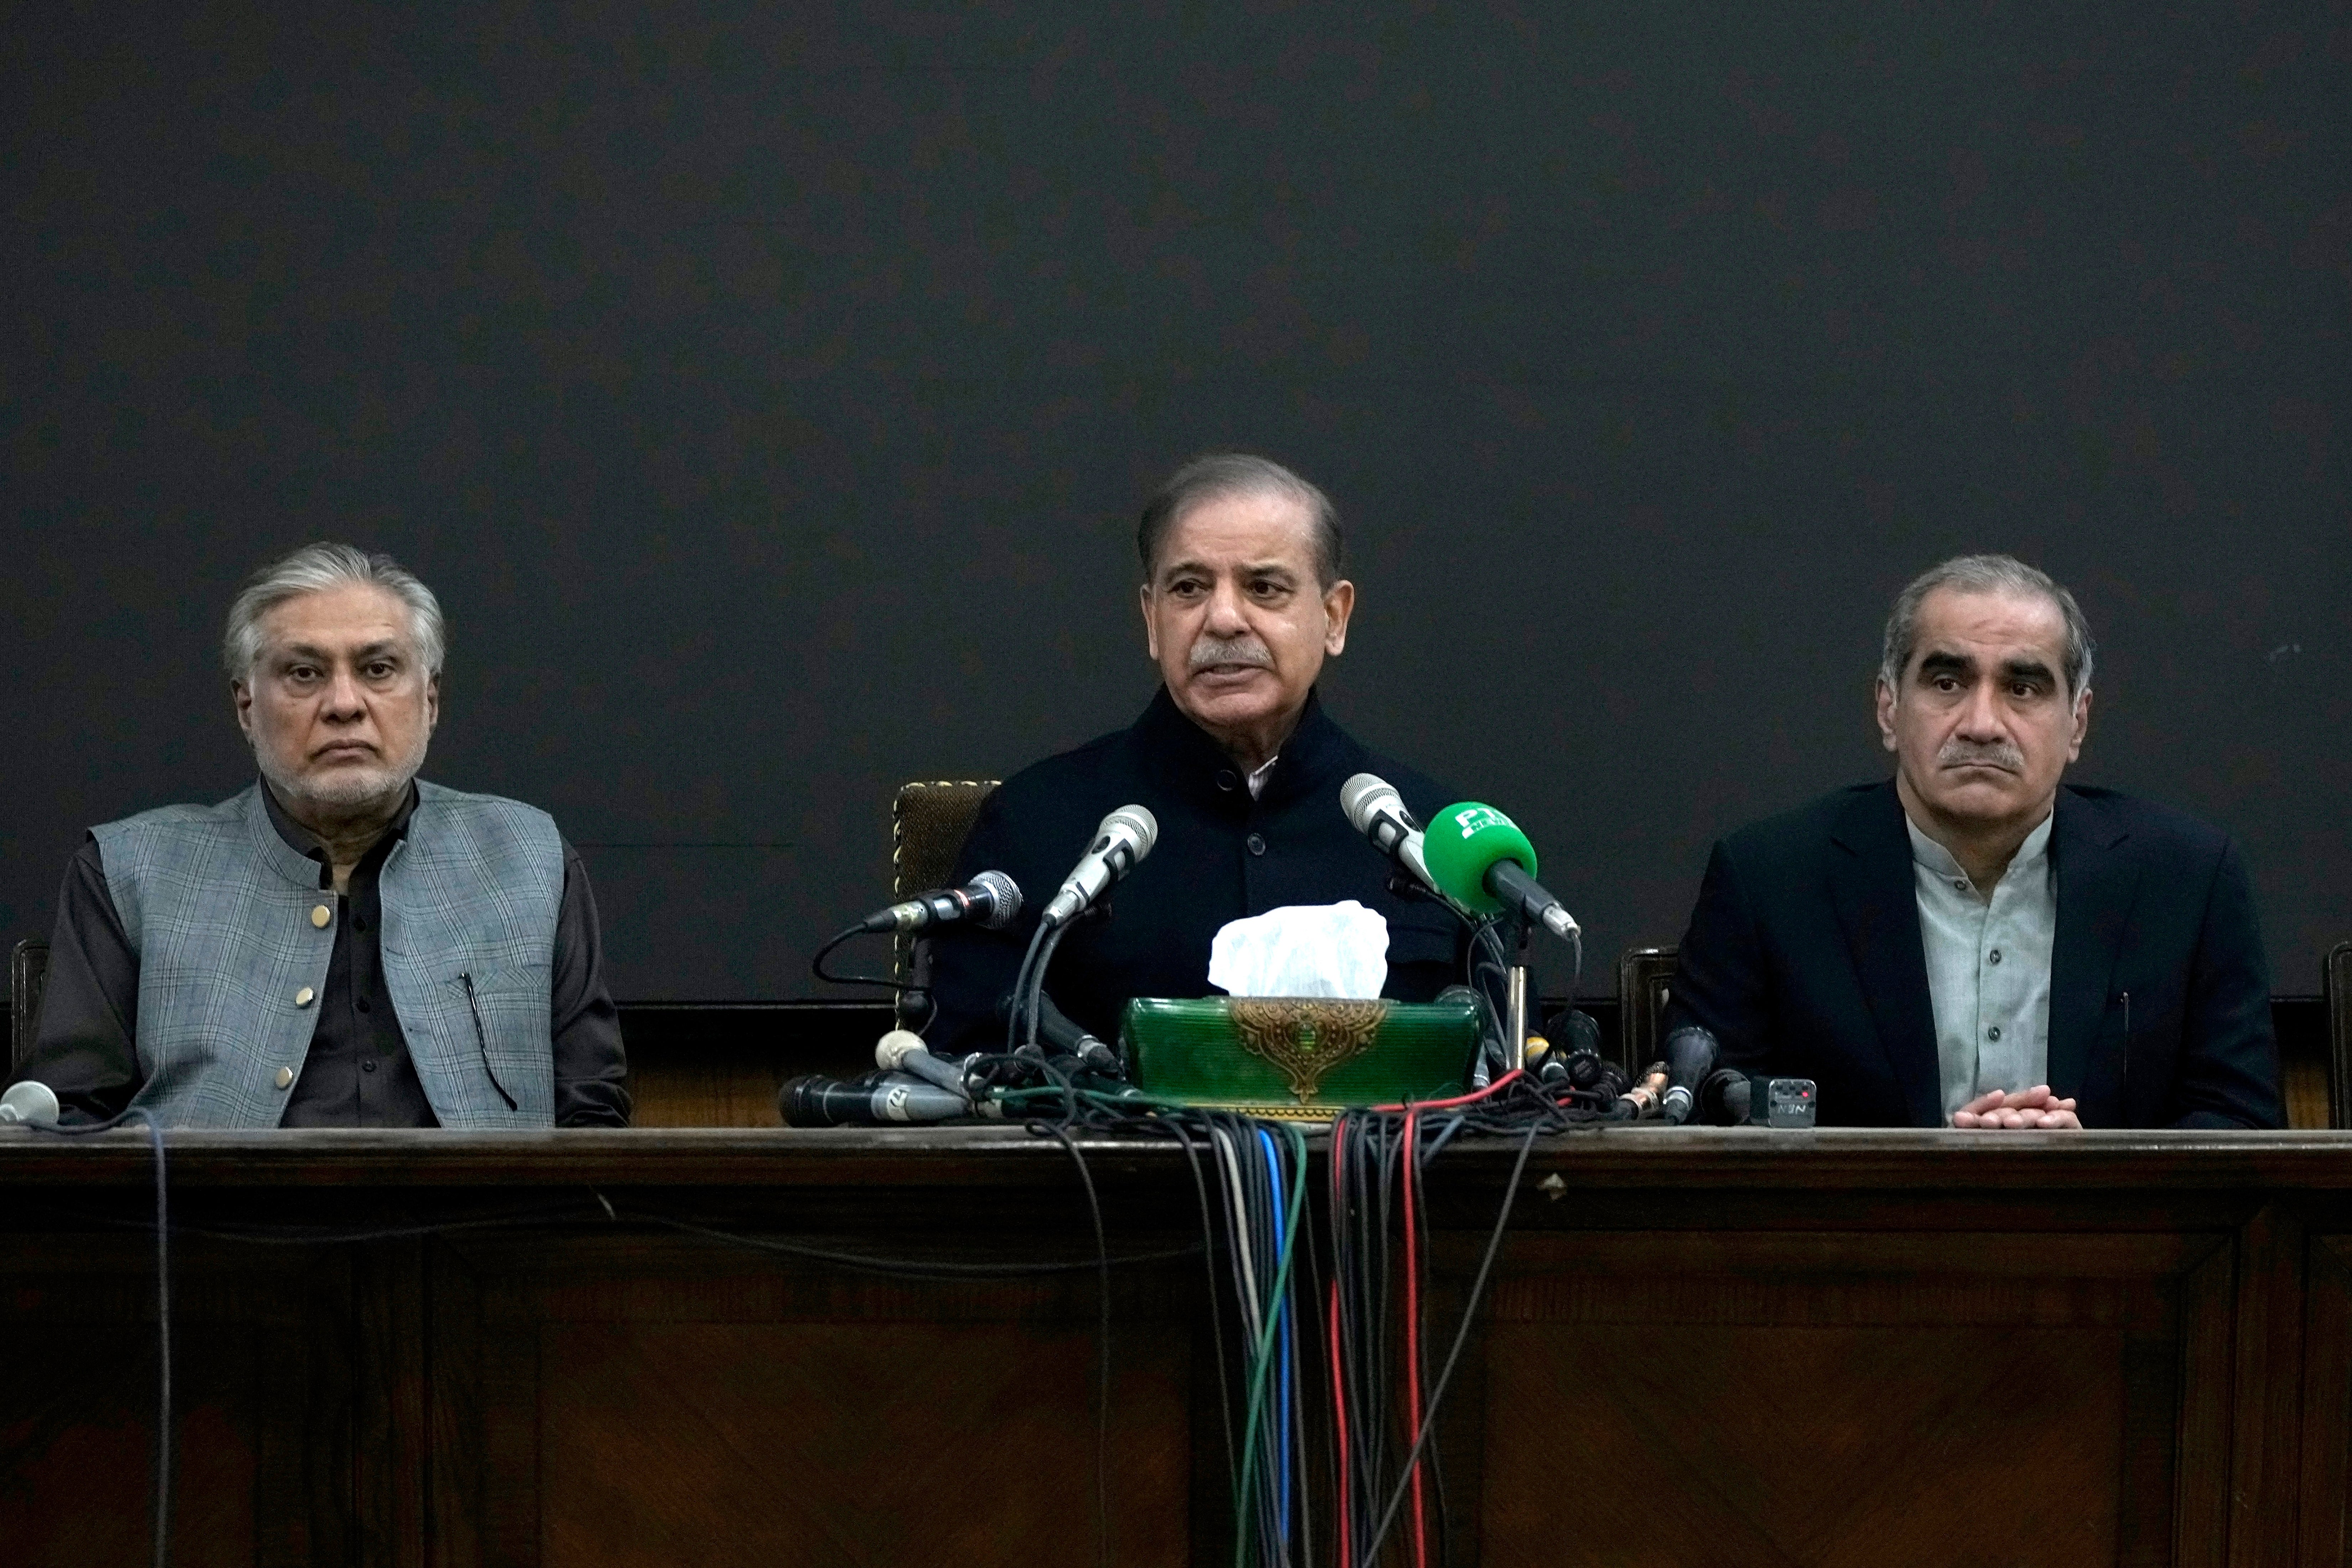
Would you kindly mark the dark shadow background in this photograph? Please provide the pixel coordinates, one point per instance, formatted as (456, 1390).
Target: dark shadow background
(768, 392)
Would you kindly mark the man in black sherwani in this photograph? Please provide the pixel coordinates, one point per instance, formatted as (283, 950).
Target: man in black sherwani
(1242, 602)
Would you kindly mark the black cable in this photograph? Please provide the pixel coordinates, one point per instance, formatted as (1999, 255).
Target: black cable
(1102, 1406)
(1461, 1335)
(1013, 1041)
(817, 968)
(1175, 1125)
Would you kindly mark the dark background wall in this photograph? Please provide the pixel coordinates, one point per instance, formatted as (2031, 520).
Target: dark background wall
(768, 392)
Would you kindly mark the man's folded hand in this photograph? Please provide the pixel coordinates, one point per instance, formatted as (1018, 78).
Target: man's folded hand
(2035, 1108)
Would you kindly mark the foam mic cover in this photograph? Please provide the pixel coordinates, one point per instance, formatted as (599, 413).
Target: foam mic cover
(1725, 1098)
(31, 1103)
(1464, 842)
(1691, 1055)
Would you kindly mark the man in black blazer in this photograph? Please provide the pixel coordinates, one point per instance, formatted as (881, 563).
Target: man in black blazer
(1972, 944)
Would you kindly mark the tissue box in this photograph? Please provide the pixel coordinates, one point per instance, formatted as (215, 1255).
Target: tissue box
(1299, 1056)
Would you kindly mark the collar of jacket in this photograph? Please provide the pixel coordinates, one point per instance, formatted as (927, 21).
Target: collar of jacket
(1185, 759)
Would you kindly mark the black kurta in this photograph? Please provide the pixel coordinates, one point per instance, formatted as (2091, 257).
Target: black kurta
(1221, 855)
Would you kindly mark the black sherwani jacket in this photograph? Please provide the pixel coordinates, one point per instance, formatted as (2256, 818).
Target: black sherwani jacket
(1804, 958)
(1221, 855)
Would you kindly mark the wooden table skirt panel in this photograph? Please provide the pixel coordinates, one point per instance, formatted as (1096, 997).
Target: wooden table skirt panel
(1732, 1347)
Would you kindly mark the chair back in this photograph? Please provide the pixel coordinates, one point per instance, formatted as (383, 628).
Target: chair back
(930, 820)
(2337, 972)
(28, 971)
(1646, 978)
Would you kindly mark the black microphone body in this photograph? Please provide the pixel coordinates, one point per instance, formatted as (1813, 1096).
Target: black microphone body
(1058, 1031)
(1508, 881)
(813, 1100)
(990, 900)
(1691, 1055)
(1725, 1098)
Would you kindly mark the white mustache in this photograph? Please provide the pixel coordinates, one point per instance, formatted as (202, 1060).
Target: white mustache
(1210, 651)
(1963, 753)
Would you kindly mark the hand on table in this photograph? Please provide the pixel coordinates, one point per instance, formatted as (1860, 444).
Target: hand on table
(2035, 1108)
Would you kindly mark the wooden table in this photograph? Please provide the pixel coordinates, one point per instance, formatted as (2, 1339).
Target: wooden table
(1700, 1347)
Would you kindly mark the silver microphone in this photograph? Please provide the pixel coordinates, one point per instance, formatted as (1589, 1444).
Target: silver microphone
(1125, 838)
(990, 900)
(1374, 809)
(30, 1103)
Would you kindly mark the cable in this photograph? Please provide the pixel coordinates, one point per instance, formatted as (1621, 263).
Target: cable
(817, 968)
(1102, 1406)
(1469, 1313)
(1412, 1339)
(1013, 1041)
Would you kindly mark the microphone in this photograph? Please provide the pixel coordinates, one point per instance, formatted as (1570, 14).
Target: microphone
(1690, 1056)
(1480, 859)
(812, 1101)
(991, 900)
(1572, 1032)
(1125, 838)
(1056, 1028)
(1374, 809)
(30, 1103)
(902, 1050)
(1726, 1098)
(1639, 1102)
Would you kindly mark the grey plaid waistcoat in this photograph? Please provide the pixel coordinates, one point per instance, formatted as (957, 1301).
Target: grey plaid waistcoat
(220, 907)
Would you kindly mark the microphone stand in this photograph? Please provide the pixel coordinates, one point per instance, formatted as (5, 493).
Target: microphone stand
(1515, 1007)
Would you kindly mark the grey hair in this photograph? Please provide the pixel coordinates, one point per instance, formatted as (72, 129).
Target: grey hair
(313, 569)
(1221, 474)
(1984, 574)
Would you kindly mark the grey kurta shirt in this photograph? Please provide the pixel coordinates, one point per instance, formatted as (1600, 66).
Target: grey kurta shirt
(1987, 966)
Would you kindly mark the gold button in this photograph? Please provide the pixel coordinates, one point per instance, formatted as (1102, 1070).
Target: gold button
(302, 997)
(285, 1078)
(321, 916)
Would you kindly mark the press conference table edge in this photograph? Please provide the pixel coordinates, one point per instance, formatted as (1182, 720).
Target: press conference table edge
(1014, 1157)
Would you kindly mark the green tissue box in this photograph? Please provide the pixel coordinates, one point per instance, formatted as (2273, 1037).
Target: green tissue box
(1302, 1056)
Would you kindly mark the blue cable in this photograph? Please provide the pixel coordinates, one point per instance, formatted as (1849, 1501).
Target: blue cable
(1282, 1340)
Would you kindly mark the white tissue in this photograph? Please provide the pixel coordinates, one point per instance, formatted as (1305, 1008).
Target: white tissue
(1304, 950)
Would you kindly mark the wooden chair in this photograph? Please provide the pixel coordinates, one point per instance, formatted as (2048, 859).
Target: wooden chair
(28, 971)
(1645, 975)
(930, 820)
(2336, 982)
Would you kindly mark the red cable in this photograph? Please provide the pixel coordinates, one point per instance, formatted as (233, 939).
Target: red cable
(1339, 1382)
(1413, 1337)
(1457, 1099)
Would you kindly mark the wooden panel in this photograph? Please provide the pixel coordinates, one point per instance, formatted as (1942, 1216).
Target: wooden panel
(709, 1088)
(2327, 1454)
(1832, 1404)
(2304, 1080)
(1705, 1348)
(718, 1444)
(656, 1400)
(78, 1407)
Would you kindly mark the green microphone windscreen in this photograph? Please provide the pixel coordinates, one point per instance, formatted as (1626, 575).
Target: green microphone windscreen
(1462, 842)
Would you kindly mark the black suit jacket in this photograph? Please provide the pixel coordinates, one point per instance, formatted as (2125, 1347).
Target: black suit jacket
(1220, 856)
(1805, 960)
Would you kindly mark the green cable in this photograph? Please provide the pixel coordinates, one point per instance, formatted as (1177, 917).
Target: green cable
(1298, 1140)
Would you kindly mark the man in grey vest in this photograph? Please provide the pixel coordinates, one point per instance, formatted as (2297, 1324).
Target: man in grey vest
(340, 944)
